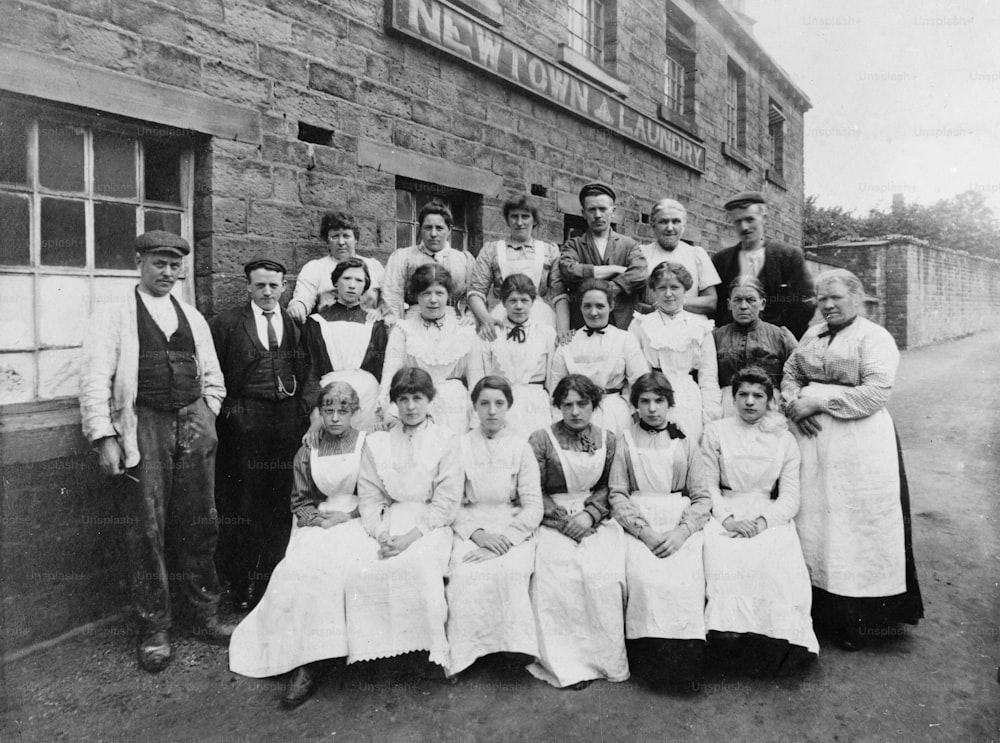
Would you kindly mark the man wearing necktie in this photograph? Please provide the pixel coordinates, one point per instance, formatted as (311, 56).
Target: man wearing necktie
(260, 428)
(790, 295)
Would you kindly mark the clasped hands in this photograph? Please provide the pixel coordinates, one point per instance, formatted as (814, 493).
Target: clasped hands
(389, 546)
(490, 545)
(802, 412)
(664, 544)
(747, 528)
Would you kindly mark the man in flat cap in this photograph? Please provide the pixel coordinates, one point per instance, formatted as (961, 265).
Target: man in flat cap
(260, 429)
(602, 253)
(781, 268)
(668, 219)
(150, 388)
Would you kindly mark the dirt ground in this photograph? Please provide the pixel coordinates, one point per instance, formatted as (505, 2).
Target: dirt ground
(935, 682)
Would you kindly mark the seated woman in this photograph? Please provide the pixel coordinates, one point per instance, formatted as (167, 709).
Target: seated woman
(409, 490)
(435, 341)
(749, 341)
(854, 521)
(522, 354)
(658, 495)
(609, 356)
(679, 344)
(493, 553)
(758, 585)
(345, 343)
(300, 619)
(578, 592)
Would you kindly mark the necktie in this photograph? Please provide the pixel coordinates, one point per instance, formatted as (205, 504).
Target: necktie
(591, 331)
(517, 333)
(272, 335)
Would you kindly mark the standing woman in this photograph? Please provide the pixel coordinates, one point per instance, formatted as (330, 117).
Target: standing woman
(578, 592)
(409, 490)
(522, 354)
(854, 521)
(344, 343)
(659, 496)
(749, 341)
(300, 619)
(758, 585)
(520, 253)
(680, 344)
(609, 356)
(493, 553)
(435, 341)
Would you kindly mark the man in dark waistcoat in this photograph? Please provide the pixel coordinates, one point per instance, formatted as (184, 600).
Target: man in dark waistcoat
(260, 430)
(150, 389)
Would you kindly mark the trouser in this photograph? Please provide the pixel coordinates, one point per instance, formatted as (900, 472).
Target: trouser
(260, 438)
(172, 506)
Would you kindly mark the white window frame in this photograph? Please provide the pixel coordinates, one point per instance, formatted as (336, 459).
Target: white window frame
(586, 28)
(735, 103)
(673, 85)
(776, 137)
(448, 196)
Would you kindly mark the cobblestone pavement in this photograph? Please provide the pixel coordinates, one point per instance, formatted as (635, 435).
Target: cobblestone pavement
(935, 682)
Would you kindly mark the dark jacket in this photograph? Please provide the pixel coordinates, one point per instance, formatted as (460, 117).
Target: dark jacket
(576, 264)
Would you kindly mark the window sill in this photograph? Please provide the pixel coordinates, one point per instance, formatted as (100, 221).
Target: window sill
(684, 123)
(736, 156)
(41, 431)
(775, 178)
(487, 10)
(579, 63)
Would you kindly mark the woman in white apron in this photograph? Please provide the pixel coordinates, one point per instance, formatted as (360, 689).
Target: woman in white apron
(409, 489)
(758, 585)
(301, 619)
(659, 497)
(522, 354)
(345, 343)
(519, 254)
(854, 520)
(578, 591)
(609, 356)
(679, 344)
(493, 552)
(435, 341)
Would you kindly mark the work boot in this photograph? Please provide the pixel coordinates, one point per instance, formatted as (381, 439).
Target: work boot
(153, 651)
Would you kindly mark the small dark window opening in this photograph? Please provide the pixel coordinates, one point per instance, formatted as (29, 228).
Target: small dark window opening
(315, 134)
(537, 189)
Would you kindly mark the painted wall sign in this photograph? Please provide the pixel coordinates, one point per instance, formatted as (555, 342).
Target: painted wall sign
(455, 33)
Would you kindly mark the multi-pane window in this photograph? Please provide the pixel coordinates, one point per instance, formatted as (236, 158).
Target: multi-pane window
(735, 107)
(75, 191)
(679, 64)
(412, 196)
(776, 138)
(586, 29)
(673, 85)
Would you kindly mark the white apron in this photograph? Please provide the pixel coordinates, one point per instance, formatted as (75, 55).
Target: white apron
(850, 521)
(489, 605)
(397, 605)
(346, 345)
(533, 268)
(666, 596)
(301, 617)
(578, 591)
(518, 363)
(757, 585)
(615, 413)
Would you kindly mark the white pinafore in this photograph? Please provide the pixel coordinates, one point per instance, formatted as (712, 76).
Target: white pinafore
(346, 345)
(666, 596)
(489, 605)
(518, 363)
(578, 591)
(397, 605)
(533, 267)
(601, 358)
(761, 584)
(301, 617)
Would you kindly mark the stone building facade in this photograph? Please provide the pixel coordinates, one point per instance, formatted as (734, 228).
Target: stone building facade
(237, 123)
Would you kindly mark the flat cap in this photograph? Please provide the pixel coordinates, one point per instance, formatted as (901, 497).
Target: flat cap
(597, 189)
(745, 199)
(265, 263)
(161, 240)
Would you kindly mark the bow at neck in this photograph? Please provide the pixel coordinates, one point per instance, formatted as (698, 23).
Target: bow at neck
(591, 331)
(517, 333)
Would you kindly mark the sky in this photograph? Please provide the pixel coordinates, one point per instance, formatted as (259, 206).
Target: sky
(905, 95)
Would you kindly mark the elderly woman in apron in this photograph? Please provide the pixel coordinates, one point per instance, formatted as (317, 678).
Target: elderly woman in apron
(519, 254)
(493, 552)
(578, 592)
(522, 354)
(346, 343)
(658, 495)
(758, 585)
(609, 356)
(301, 619)
(854, 520)
(434, 340)
(680, 344)
(409, 489)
